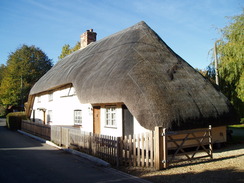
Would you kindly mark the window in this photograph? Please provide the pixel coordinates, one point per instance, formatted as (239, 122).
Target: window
(50, 97)
(77, 117)
(111, 116)
(39, 99)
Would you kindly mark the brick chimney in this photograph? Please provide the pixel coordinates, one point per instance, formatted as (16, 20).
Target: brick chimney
(87, 37)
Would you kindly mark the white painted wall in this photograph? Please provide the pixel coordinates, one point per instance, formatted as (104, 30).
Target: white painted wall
(113, 131)
(138, 129)
(62, 106)
(65, 102)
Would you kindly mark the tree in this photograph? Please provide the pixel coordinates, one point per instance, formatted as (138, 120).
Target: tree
(2, 109)
(2, 68)
(66, 50)
(231, 61)
(24, 67)
(208, 73)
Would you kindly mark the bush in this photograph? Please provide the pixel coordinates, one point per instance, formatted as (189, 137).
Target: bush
(14, 119)
(2, 111)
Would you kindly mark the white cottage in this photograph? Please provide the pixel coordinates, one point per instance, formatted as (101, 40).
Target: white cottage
(62, 107)
(124, 84)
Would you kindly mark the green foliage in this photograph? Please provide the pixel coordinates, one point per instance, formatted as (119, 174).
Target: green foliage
(2, 111)
(66, 50)
(24, 67)
(2, 108)
(208, 73)
(14, 119)
(2, 68)
(231, 62)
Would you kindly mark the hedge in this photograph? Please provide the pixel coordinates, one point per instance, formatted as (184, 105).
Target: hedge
(14, 119)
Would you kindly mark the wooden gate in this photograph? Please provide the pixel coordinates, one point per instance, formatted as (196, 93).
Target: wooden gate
(186, 145)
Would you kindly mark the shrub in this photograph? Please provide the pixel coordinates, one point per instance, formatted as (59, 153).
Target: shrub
(2, 111)
(14, 119)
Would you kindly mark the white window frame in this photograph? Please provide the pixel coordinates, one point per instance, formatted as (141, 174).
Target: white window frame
(78, 117)
(110, 116)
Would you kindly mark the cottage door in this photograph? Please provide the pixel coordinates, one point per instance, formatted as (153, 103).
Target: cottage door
(96, 120)
(128, 122)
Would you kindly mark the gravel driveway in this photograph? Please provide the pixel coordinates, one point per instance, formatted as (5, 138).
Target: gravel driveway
(227, 166)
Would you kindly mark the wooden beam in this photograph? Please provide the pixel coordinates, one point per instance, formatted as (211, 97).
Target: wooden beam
(158, 141)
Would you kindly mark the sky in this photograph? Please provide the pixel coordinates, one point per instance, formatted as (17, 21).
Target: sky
(189, 27)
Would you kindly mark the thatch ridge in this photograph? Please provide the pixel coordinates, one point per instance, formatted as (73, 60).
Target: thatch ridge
(136, 67)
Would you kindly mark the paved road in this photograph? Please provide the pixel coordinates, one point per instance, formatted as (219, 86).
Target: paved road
(23, 159)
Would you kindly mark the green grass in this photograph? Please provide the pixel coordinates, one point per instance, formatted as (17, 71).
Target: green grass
(237, 126)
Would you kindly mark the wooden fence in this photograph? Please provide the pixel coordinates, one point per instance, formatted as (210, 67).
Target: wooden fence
(137, 150)
(37, 129)
(186, 145)
(156, 149)
(133, 151)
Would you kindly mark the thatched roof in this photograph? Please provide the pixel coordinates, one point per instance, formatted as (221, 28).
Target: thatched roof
(136, 67)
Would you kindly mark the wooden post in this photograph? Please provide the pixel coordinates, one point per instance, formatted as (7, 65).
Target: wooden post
(138, 151)
(210, 142)
(165, 149)
(61, 136)
(134, 150)
(67, 138)
(152, 149)
(90, 142)
(130, 150)
(158, 144)
(44, 117)
(118, 151)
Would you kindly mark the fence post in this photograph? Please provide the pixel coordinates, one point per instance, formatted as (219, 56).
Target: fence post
(68, 138)
(65, 136)
(158, 141)
(165, 149)
(60, 136)
(210, 142)
(90, 142)
(118, 151)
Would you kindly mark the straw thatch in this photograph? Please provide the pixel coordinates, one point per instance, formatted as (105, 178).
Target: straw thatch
(136, 67)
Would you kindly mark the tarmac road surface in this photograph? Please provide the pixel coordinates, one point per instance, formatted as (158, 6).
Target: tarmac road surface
(23, 159)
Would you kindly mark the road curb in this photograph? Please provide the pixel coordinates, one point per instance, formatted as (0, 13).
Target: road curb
(95, 160)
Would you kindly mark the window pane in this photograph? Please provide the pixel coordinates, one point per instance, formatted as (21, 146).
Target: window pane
(78, 117)
(111, 116)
